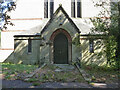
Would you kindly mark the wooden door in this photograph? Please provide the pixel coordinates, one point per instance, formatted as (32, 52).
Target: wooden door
(60, 49)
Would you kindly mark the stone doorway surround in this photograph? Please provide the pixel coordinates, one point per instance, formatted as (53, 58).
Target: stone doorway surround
(51, 51)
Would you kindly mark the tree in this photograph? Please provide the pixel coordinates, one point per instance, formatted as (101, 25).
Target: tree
(6, 6)
(111, 27)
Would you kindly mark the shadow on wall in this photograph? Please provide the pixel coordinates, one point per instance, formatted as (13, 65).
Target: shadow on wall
(17, 55)
(44, 54)
(98, 57)
(21, 56)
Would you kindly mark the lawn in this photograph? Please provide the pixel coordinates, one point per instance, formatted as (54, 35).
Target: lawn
(16, 71)
(46, 74)
(101, 74)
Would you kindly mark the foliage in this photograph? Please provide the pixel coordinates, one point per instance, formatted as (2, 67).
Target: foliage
(36, 84)
(109, 27)
(5, 7)
(110, 51)
(32, 80)
(101, 73)
(76, 41)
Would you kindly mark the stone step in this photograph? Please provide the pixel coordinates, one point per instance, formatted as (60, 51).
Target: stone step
(64, 67)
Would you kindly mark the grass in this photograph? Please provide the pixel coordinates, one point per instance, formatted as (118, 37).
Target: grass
(46, 74)
(36, 84)
(32, 80)
(101, 74)
(13, 71)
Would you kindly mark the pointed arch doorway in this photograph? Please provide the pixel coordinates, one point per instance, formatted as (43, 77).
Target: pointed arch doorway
(60, 47)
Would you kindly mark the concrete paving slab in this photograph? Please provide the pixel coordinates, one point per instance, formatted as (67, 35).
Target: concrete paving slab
(64, 67)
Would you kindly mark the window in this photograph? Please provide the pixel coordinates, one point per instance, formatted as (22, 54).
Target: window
(46, 9)
(75, 11)
(29, 46)
(91, 46)
(72, 8)
(79, 8)
(51, 7)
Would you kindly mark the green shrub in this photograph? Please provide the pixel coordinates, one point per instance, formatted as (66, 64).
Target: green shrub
(36, 84)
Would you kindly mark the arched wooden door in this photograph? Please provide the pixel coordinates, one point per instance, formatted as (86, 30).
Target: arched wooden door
(60, 45)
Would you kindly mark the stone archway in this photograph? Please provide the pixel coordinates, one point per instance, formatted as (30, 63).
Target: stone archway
(56, 35)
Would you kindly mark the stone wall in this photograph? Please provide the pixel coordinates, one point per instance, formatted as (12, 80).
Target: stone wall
(21, 54)
(98, 57)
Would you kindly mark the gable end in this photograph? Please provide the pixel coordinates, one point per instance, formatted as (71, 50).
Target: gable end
(67, 16)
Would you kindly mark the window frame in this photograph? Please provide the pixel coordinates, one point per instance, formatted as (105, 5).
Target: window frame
(73, 8)
(76, 9)
(51, 8)
(79, 12)
(45, 8)
(91, 45)
(29, 46)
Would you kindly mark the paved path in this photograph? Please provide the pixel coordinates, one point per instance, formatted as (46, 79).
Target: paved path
(64, 85)
(104, 85)
(22, 84)
(15, 84)
(64, 67)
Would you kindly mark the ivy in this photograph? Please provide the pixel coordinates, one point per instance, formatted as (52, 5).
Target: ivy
(76, 40)
(110, 27)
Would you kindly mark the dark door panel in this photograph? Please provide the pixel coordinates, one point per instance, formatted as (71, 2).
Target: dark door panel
(60, 49)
